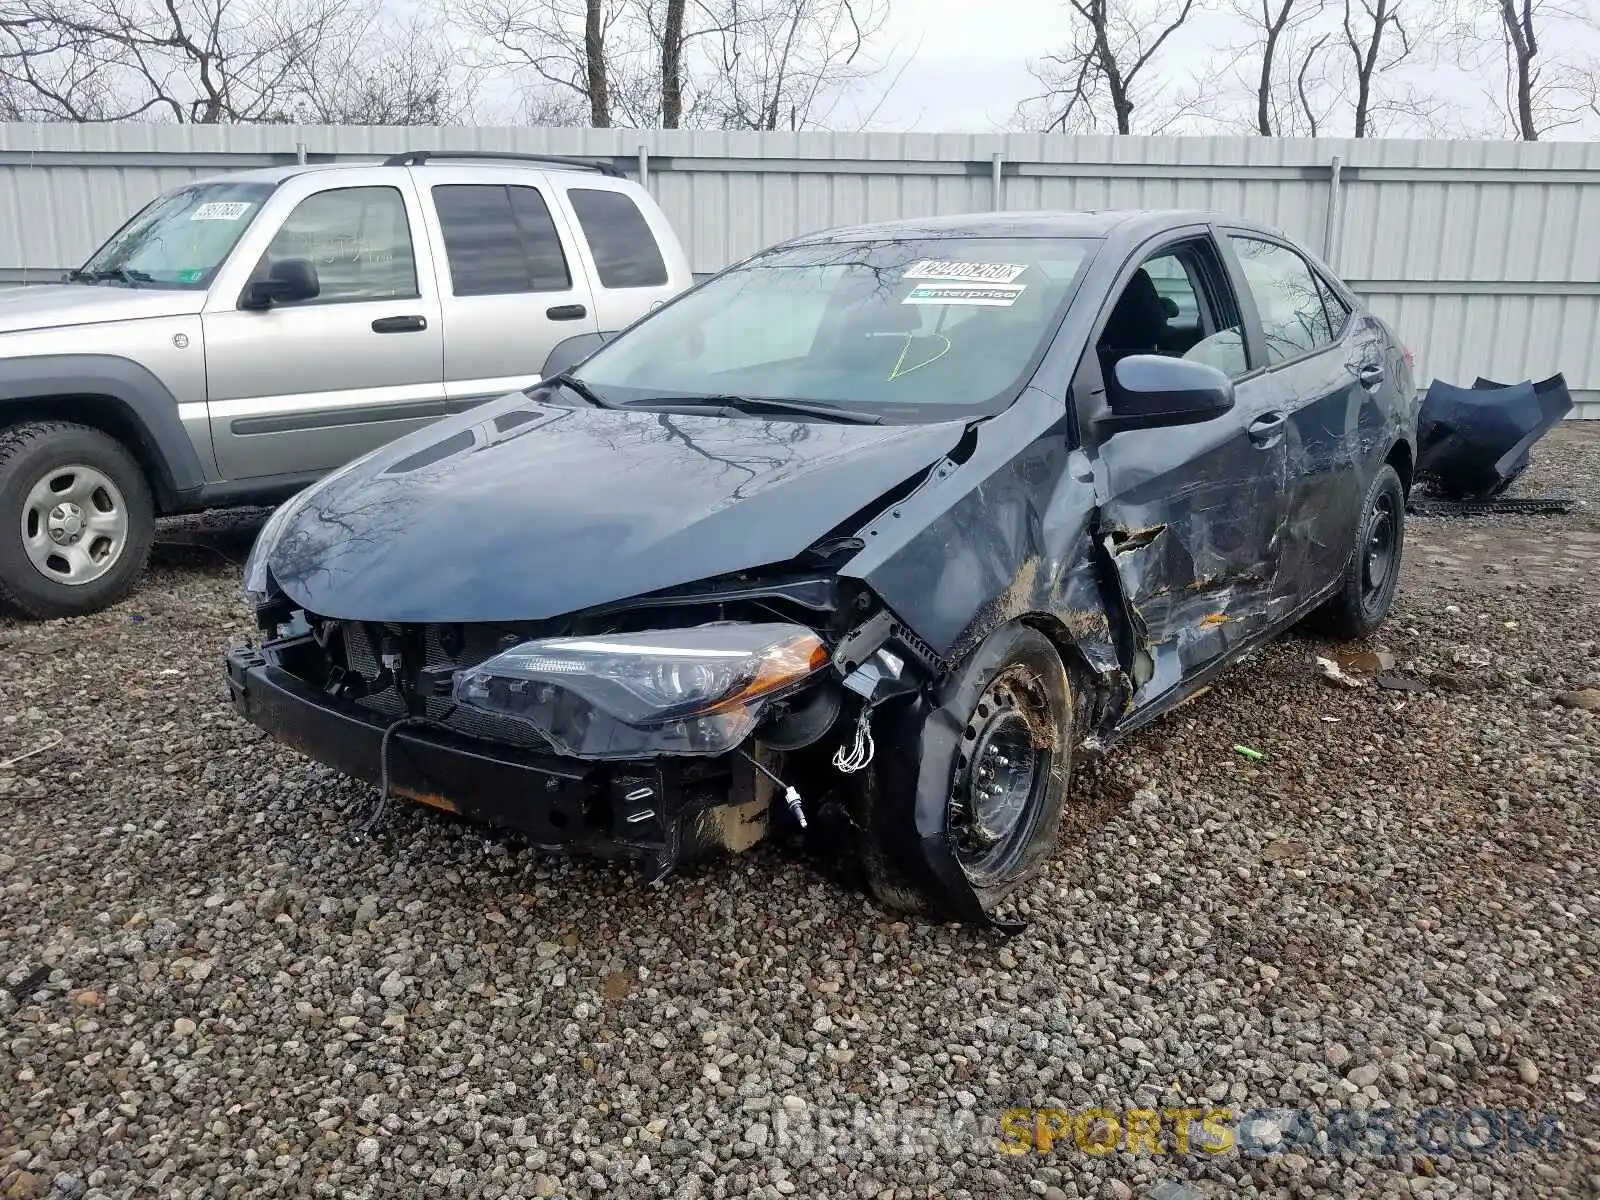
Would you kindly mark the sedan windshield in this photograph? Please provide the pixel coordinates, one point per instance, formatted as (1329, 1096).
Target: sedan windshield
(180, 240)
(918, 329)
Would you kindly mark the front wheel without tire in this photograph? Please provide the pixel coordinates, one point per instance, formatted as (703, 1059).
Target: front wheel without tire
(76, 519)
(1371, 577)
(1001, 799)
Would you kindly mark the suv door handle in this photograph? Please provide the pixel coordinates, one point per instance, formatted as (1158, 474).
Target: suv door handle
(1266, 429)
(1371, 375)
(567, 312)
(412, 324)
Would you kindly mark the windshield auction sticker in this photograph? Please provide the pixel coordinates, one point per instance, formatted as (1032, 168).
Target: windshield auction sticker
(219, 210)
(966, 272)
(994, 295)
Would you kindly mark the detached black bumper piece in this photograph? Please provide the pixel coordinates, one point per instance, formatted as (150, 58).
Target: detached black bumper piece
(657, 813)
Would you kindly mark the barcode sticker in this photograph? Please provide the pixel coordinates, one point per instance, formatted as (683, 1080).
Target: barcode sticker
(230, 210)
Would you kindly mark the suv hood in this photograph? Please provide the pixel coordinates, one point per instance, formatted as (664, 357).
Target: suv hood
(520, 511)
(60, 304)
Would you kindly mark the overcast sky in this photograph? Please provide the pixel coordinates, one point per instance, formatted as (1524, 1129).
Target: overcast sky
(961, 65)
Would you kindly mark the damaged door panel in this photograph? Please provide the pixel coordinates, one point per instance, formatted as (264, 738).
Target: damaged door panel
(1189, 523)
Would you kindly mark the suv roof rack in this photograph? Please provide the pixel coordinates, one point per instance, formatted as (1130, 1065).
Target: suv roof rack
(416, 158)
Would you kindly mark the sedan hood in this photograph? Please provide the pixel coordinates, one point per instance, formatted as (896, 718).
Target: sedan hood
(56, 305)
(520, 511)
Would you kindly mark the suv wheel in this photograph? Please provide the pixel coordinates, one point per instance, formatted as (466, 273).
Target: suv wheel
(76, 520)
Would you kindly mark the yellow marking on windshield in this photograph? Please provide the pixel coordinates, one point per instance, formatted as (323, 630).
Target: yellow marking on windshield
(906, 349)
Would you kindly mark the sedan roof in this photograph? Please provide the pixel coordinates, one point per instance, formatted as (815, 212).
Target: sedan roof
(1091, 223)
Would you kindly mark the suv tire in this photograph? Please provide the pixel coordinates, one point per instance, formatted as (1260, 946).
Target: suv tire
(76, 519)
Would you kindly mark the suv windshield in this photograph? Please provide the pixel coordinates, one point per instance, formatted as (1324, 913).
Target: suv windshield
(180, 240)
(916, 329)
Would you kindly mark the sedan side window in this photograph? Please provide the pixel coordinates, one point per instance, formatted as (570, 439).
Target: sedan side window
(357, 239)
(1293, 318)
(1177, 303)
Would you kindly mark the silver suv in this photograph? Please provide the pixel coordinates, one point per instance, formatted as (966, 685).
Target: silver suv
(243, 335)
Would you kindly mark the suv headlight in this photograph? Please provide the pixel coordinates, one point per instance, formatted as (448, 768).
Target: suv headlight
(674, 691)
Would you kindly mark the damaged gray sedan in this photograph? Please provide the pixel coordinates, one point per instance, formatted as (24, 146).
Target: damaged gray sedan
(869, 532)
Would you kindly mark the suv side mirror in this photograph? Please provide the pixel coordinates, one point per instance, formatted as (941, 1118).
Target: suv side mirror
(290, 280)
(1153, 390)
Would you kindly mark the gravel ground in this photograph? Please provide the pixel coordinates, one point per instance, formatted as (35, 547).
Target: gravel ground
(209, 992)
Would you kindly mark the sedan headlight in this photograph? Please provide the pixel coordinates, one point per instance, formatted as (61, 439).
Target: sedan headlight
(676, 691)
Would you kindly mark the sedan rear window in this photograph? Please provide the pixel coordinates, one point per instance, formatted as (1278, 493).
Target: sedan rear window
(941, 323)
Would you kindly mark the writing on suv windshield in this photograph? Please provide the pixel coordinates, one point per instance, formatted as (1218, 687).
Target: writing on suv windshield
(179, 240)
(948, 324)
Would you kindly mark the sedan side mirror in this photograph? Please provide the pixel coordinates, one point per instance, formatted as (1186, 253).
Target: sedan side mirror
(289, 281)
(1153, 390)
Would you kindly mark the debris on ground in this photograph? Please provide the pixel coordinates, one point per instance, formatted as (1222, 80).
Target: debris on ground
(1473, 442)
(1334, 673)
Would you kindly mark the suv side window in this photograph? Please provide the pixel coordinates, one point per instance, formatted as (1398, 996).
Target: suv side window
(357, 238)
(625, 251)
(1288, 298)
(482, 223)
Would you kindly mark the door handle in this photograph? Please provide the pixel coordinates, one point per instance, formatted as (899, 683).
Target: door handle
(1265, 429)
(567, 312)
(412, 324)
(1371, 375)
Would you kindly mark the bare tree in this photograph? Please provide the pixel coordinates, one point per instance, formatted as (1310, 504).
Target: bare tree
(672, 65)
(48, 73)
(1541, 55)
(191, 61)
(1305, 87)
(571, 46)
(775, 64)
(1276, 25)
(1113, 43)
(1367, 24)
(393, 74)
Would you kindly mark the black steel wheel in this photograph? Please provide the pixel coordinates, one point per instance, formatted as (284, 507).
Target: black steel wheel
(1003, 773)
(1372, 575)
(964, 799)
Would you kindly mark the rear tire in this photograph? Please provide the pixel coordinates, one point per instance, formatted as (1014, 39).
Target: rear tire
(76, 519)
(1371, 577)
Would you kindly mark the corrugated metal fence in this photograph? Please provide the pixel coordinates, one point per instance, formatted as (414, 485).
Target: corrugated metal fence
(1486, 255)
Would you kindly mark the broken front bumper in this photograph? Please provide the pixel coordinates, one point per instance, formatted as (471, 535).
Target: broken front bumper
(657, 813)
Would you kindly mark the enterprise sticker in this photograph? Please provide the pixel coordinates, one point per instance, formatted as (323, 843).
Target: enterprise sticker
(997, 295)
(230, 210)
(968, 272)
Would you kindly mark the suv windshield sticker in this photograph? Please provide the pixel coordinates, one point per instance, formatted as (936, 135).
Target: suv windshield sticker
(1000, 295)
(218, 210)
(934, 268)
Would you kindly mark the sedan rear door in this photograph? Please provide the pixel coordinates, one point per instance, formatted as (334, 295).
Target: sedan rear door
(1320, 361)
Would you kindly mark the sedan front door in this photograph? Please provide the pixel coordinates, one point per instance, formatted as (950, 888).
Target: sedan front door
(1189, 514)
